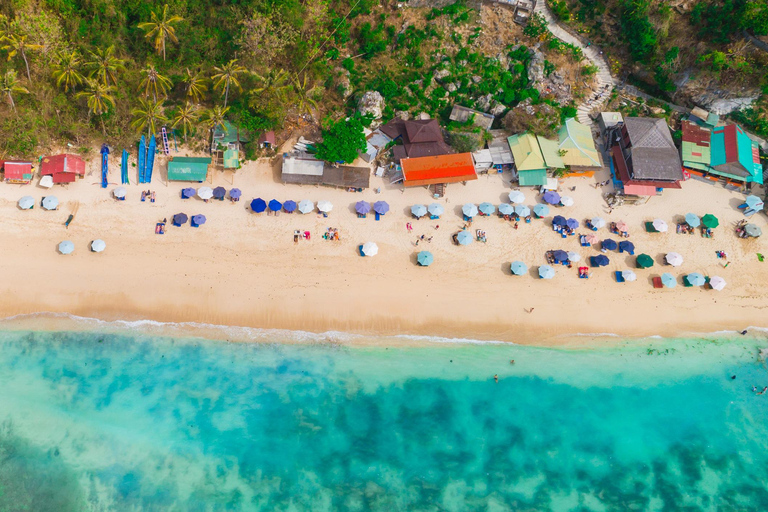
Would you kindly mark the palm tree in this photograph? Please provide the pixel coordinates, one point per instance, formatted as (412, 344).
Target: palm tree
(98, 98)
(304, 100)
(273, 83)
(214, 117)
(154, 82)
(161, 28)
(186, 116)
(104, 65)
(148, 115)
(67, 71)
(194, 85)
(17, 45)
(225, 76)
(9, 84)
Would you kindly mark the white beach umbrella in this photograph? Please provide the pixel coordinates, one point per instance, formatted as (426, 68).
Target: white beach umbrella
(370, 249)
(306, 206)
(205, 193)
(573, 256)
(324, 206)
(566, 200)
(66, 247)
(628, 275)
(660, 225)
(597, 222)
(50, 202)
(674, 259)
(98, 245)
(717, 283)
(516, 197)
(46, 181)
(26, 202)
(119, 192)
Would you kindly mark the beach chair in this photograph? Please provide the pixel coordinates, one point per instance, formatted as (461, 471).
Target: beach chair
(434, 217)
(152, 197)
(686, 283)
(592, 262)
(360, 250)
(583, 241)
(760, 257)
(619, 277)
(378, 217)
(69, 220)
(657, 282)
(143, 196)
(649, 228)
(528, 219)
(160, 228)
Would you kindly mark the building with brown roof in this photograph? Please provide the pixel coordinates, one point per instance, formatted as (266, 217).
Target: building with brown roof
(422, 137)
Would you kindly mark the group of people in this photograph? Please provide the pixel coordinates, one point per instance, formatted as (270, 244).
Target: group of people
(685, 229)
(149, 194)
(740, 231)
(331, 234)
(298, 235)
(615, 231)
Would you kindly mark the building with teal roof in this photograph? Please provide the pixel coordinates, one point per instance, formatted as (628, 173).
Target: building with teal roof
(533, 155)
(724, 151)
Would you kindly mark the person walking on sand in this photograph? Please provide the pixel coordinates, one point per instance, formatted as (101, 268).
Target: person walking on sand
(437, 227)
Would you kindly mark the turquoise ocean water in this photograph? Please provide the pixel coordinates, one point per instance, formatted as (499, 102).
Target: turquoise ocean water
(132, 422)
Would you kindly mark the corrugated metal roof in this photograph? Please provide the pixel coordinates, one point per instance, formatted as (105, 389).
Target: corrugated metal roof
(439, 167)
(577, 143)
(526, 152)
(532, 178)
(551, 153)
(186, 168)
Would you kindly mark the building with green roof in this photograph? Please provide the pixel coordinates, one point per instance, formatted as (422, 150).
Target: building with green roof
(188, 168)
(577, 147)
(533, 155)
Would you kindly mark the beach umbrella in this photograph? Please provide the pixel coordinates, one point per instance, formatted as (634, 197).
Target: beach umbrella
(27, 202)
(572, 223)
(98, 245)
(560, 256)
(306, 206)
(289, 206)
(674, 259)
(219, 192)
(710, 221)
(186, 193)
(573, 256)
(608, 244)
(180, 219)
(597, 222)
(668, 280)
(506, 209)
(559, 220)
(518, 268)
(692, 220)
(753, 230)
(436, 209)
(46, 181)
(418, 210)
(465, 237)
(696, 279)
(362, 207)
(522, 210)
(66, 247)
(622, 227)
(660, 226)
(235, 193)
(628, 275)
(425, 258)
(205, 193)
(551, 197)
(644, 261)
(566, 201)
(50, 202)
(381, 207)
(258, 205)
(754, 203)
(486, 208)
(370, 249)
(600, 260)
(626, 246)
(541, 210)
(469, 210)
(591, 239)
(119, 192)
(325, 206)
(198, 220)
(275, 205)
(546, 272)
(717, 283)
(516, 197)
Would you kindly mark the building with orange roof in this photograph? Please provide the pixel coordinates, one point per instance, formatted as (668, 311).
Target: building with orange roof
(435, 170)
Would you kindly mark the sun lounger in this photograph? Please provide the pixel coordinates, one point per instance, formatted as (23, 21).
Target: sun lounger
(583, 241)
(152, 198)
(434, 217)
(686, 283)
(143, 195)
(69, 220)
(583, 273)
(657, 282)
(360, 250)
(760, 257)
(649, 228)
(378, 217)
(160, 228)
(619, 277)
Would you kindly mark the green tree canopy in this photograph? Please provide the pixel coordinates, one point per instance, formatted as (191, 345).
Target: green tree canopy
(342, 140)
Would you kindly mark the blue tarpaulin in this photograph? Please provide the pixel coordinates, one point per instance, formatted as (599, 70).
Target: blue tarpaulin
(142, 158)
(150, 163)
(124, 168)
(104, 165)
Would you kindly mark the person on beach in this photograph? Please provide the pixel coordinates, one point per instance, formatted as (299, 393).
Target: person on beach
(763, 391)
(437, 227)
(754, 389)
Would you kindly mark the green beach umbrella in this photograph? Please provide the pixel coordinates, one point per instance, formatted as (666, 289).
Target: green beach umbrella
(425, 258)
(518, 268)
(644, 261)
(710, 221)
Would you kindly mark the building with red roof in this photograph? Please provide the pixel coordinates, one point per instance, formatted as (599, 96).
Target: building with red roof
(17, 171)
(435, 170)
(63, 168)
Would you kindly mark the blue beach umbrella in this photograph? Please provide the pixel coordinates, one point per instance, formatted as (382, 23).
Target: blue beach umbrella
(572, 223)
(551, 197)
(668, 280)
(418, 210)
(486, 208)
(506, 209)
(425, 258)
(608, 244)
(469, 210)
(518, 268)
(66, 247)
(179, 219)
(436, 209)
(275, 205)
(362, 207)
(541, 210)
(546, 272)
(219, 192)
(599, 261)
(306, 206)
(235, 193)
(560, 256)
(626, 246)
(289, 206)
(258, 205)
(27, 202)
(692, 220)
(186, 193)
(198, 220)
(559, 220)
(754, 203)
(522, 210)
(381, 207)
(50, 202)
(465, 237)
(696, 279)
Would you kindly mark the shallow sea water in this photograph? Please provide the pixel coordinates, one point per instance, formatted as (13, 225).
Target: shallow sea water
(130, 422)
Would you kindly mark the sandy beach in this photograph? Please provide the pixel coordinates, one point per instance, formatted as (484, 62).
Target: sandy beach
(243, 269)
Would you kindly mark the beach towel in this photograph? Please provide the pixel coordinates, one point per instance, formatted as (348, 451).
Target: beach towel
(760, 257)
